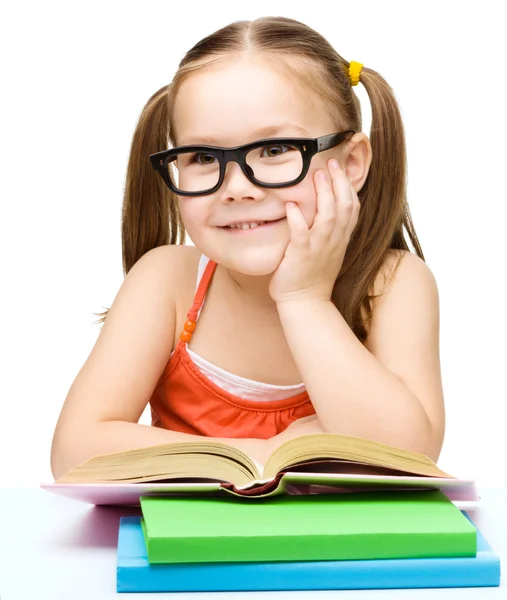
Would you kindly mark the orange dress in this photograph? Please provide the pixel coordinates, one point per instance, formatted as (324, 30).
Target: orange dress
(186, 400)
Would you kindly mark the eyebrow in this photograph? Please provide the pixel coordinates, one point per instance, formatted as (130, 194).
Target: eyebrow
(269, 131)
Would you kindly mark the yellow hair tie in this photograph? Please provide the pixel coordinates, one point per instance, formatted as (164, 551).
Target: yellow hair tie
(354, 72)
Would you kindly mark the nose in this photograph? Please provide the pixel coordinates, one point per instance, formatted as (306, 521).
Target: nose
(237, 185)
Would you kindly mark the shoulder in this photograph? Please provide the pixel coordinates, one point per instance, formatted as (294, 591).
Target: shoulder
(172, 267)
(176, 267)
(406, 293)
(172, 259)
(399, 267)
(149, 299)
(157, 280)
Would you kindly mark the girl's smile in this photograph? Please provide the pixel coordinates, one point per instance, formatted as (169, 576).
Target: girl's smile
(248, 227)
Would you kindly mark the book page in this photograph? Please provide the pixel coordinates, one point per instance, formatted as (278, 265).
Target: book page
(206, 459)
(358, 450)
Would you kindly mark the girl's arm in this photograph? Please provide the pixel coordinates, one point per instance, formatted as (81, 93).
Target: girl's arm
(114, 436)
(388, 390)
(101, 412)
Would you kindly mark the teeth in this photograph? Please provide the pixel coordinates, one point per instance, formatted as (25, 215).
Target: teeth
(246, 225)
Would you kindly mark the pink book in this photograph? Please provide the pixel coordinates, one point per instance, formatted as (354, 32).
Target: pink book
(462, 492)
(310, 464)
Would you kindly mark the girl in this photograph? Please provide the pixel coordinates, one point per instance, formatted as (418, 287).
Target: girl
(308, 313)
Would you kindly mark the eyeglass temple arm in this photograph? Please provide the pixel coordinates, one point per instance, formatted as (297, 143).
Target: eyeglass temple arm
(333, 139)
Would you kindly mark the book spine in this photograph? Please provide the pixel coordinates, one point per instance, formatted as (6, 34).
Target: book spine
(137, 576)
(264, 548)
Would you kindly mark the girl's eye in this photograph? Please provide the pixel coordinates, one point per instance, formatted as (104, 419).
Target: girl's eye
(274, 150)
(196, 158)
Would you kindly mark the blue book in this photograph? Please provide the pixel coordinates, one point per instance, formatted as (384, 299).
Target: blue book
(135, 574)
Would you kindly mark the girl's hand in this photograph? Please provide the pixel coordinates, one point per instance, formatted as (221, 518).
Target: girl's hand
(260, 449)
(313, 258)
(303, 426)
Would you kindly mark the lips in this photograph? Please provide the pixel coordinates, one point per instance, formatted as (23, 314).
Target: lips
(250, 224)
(245, 229)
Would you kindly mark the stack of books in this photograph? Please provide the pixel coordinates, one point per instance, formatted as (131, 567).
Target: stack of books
(363, 540)
(326, 511)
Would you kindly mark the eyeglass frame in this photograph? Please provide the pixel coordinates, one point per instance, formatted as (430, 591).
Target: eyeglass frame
(308, 147)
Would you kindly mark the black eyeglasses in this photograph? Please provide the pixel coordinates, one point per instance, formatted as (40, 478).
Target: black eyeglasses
(268, 163)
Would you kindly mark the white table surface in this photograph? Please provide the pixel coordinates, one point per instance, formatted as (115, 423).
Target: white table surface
(56, 548)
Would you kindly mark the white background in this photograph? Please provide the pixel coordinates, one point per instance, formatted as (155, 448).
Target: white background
(75, 77)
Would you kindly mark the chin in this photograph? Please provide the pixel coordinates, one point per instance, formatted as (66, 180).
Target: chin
(254, 269)
(255, 261)
(263, 261)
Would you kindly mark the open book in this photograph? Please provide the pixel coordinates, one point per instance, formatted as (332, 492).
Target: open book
(320, 453)
(310, 464)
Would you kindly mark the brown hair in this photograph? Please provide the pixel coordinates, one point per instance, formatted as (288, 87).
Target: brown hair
(150, 215)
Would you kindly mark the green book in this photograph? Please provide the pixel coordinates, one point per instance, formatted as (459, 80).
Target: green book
(350, 526)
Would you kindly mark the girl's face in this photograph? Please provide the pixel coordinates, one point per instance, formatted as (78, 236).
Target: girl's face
(227, 105)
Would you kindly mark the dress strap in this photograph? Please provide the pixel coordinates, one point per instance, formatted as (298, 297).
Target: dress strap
(203, 261)
(193, 313)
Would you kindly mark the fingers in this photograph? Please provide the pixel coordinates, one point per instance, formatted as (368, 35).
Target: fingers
(337, 201)
(325, 219)
(298, 229)
(337, 206)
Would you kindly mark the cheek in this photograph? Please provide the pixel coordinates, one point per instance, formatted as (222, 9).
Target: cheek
(305, 195)
(193, 214)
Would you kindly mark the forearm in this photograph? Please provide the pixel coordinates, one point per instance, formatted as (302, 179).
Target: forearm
(352, 392)
(116, 436)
